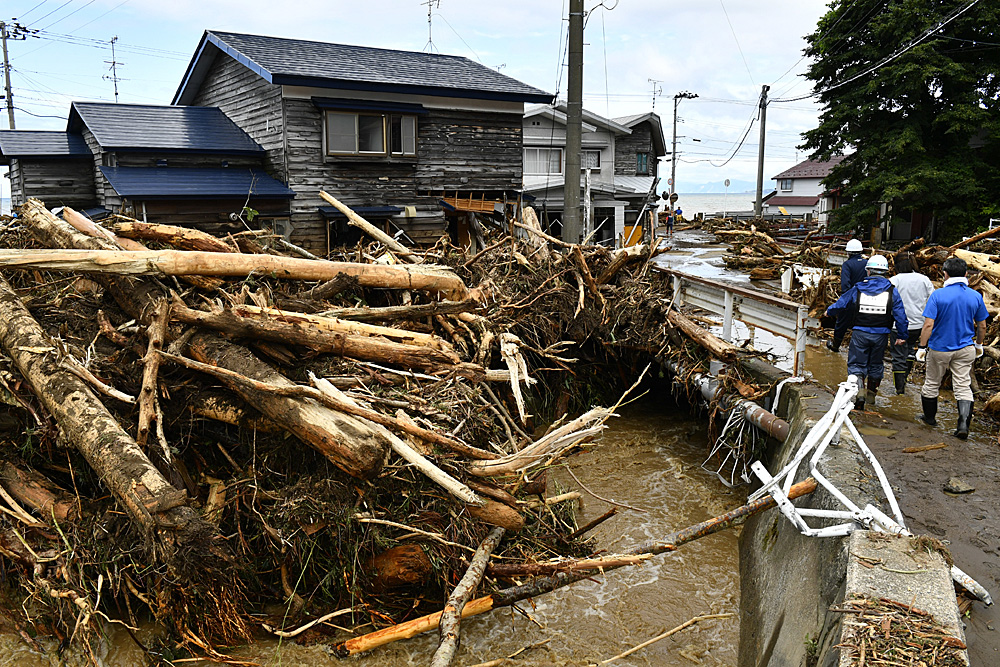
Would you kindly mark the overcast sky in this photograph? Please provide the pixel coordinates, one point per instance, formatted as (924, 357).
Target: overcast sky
(723, 50)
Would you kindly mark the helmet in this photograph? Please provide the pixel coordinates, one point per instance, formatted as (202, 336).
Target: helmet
(854, 245)
(877, 263)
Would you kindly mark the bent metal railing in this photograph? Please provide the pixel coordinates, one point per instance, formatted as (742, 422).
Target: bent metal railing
(781, 317)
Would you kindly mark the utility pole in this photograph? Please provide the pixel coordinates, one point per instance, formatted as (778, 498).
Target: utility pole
(684, 95)
(758, 206)
(574, 122)
(114, 68)
(6, 76)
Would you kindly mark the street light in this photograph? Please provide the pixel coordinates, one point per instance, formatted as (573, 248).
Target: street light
(683, 95)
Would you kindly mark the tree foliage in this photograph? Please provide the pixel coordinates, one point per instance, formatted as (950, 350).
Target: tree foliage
(921, 130)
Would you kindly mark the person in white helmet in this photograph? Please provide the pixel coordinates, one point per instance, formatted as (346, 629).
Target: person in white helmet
(871, 307)
(852, 271)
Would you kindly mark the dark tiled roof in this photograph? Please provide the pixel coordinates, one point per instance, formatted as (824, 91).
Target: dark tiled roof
(301, 62)
(811, 169)
(148, 127)
(193, 183)
(36, 143)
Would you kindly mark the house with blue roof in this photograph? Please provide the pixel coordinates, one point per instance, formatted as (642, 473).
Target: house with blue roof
(172, 164)
(415, 142)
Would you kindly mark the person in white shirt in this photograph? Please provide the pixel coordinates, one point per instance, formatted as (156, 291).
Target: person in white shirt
(915, 288)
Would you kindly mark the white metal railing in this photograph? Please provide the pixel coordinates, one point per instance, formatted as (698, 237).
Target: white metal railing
(781, 317)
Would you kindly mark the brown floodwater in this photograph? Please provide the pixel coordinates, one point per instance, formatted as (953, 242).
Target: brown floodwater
(649, 458)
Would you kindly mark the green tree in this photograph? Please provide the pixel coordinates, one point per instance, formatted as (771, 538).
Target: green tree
(911, 95)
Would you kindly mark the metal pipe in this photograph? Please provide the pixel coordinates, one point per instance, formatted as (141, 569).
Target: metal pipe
(756, 415)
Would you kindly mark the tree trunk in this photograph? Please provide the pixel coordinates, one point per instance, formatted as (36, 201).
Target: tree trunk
(978, 237)
(403, 313)
(184, 238)
(988, 264)
(193, 263)
(151, 502)
(356, 220)
(39, 493)
(718, 348)
(341, 438)
(243, 322)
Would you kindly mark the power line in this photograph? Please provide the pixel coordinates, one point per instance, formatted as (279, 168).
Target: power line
(888, 59)
(53, 11)
(68, 15)
(739, 48)
(23, 14)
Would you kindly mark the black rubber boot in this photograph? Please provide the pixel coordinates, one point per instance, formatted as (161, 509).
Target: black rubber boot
(859, 400)
(964, 419)
(872, 392)
(899, 378)
(930, 410)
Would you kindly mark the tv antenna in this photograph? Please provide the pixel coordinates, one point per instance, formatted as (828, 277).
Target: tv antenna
(114, 68)
(431, 5)
(657, 90)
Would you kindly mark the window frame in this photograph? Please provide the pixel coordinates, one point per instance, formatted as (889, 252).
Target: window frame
(590, 150)
(386, 118)
(562, 167)
(782, 183)
(644, 161)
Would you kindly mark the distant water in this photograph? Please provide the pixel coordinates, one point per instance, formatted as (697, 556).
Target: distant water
(5, 206)
(694, 203)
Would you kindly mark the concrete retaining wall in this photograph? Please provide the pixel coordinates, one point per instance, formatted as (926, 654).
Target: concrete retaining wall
(790, 581)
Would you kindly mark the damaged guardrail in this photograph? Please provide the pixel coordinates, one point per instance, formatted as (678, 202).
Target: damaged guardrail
(824, 433)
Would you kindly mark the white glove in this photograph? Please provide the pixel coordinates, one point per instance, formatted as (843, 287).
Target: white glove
(979, 350)
(922, 354)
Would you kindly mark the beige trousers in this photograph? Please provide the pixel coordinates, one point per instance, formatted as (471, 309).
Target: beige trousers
(960, 363)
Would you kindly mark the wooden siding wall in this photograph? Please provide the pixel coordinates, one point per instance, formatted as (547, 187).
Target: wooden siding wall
(61, 182)
(208, 215)
(17, 197)
(250, 102)
(626, 147)
(465, 151)
(106, 195)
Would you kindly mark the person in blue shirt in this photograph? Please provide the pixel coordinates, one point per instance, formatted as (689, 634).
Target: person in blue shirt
(854, 268)
(870, 307)
(952, 339)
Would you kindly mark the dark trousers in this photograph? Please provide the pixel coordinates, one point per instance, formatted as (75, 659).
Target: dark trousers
(864, 356)
(903, 355)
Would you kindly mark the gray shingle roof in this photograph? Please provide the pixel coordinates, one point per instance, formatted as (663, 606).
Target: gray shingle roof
(193, 183)
(301, 62)
(37, 143)
(811, 169)
(148, 127)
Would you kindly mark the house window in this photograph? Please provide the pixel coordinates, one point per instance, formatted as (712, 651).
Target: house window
(590, 160)
(370, 134)
(543, 160)
(785, 184)
(642, 164)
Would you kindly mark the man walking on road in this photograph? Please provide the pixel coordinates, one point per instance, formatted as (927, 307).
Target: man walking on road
(914, 288)
(853, 270)
(952, 339)
(871, 307)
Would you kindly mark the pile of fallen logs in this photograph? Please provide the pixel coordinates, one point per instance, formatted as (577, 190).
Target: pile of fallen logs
(231, 435)
(757, 251)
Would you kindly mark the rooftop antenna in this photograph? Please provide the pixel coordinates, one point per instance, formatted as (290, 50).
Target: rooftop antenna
(431, 5)
(114, 68)
(657, 90)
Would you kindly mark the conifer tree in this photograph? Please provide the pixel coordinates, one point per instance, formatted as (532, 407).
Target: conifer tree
(911, 94)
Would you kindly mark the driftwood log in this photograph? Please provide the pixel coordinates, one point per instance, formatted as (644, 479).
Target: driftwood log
(718, 348)
(193, 263)
(184, 238)
(39, 493)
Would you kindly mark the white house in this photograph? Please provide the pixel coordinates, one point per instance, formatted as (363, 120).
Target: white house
(622, 155)
(799, 190)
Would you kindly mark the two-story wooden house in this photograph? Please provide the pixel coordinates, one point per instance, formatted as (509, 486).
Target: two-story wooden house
(402, 137)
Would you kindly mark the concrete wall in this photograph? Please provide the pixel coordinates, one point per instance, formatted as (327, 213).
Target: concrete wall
(789, 581)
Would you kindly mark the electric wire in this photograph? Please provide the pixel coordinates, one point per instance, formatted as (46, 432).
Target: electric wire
(737, 40)
(24, 14)
(68, 15)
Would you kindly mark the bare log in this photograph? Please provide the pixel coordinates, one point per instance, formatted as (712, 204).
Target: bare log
(228, 409)
(543, 585)
(156, 333)
(588, 278)
(328, 289)
(341, 438)
(150, 500)
(90, 228)
(298, 391)
(974, 239)
(397, 313)
(243, 322)
(39, 493)
(356, 220)
(622, 258)
(569, 565)
(185, 238)
(451, 615)
(194, 263)
(988, 264)
(719, 348)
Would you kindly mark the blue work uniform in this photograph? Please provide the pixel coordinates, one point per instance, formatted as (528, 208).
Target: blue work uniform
(852, 271)
(871, 308)
(955, 310)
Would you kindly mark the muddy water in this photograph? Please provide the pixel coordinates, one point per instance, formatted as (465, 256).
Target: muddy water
(649, 458)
